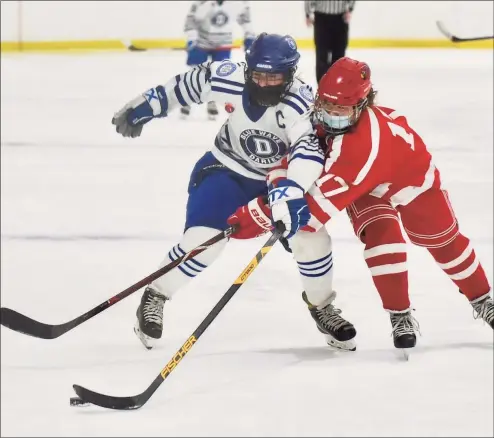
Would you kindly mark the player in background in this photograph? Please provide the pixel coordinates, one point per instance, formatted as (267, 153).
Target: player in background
(269, 118)
(209, 33)
(379, 169)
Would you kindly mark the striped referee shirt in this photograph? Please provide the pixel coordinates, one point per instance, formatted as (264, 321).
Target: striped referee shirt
(332, 7)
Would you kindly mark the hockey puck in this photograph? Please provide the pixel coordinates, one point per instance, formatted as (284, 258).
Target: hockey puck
(79, 402)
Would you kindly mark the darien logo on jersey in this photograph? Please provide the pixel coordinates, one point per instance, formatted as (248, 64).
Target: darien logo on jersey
(226, 68)
(219, 19)
(262, 147)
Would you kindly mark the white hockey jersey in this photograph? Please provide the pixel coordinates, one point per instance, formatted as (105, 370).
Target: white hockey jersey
(253, 139)
(211, 24)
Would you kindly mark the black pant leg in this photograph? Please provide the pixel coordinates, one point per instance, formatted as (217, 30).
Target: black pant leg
(322, 43)
(338, 40)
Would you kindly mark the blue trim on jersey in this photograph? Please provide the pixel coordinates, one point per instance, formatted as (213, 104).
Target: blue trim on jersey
(293, 105)
(178, 93)
(187, 88)
(302, 101)
(308, 148)
(198, 80)
(225, 90)
(198, 99)
(307, 157)
(226, 81)
(253, 112)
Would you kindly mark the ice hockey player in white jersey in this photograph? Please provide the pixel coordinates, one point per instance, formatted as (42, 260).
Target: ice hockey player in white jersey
(209, 30)
(269, 117)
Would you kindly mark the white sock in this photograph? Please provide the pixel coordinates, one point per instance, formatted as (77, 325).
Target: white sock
(314, 257)
(171, 282)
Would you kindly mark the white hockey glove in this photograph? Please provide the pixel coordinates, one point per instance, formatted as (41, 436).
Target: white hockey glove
(130, 119)
(289, 206)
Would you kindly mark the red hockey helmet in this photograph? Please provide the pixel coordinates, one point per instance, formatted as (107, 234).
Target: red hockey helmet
(342, 94)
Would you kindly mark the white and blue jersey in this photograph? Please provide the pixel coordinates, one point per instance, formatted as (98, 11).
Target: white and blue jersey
(253, 139)
(210, 24)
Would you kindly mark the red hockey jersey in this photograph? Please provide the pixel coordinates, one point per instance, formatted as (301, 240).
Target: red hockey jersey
(382, 156)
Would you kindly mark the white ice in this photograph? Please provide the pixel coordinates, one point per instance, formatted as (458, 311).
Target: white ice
(86, 213)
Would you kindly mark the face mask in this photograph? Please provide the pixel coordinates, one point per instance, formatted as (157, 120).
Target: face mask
(336, 122)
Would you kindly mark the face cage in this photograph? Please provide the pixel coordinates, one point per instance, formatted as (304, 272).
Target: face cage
(319, 114)
(270, 95)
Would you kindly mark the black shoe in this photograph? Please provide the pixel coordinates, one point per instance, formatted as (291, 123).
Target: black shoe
(339, 332)
(149, 324)
(484, 308)
(404, 326)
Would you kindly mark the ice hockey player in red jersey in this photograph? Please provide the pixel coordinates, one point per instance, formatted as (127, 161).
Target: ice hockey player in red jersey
(379, 169)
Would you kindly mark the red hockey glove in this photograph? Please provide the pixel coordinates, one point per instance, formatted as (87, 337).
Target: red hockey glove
(253, 219)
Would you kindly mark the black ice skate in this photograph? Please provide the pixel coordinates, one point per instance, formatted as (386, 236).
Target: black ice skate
(185, 111)
(338, 331)
(212, 110)
(404, 326)
(484, 308)
(149, 324)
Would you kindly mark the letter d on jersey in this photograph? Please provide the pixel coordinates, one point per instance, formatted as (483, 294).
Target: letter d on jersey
(264, 148)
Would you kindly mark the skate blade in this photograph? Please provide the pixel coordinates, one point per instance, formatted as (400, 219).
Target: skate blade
(404, 354)
(341, 345)
(212, 116)
(145, 340)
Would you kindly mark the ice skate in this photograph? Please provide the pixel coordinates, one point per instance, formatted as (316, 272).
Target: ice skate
(149, 324)
(339, 333)
(185, 112)
(212, 110)
(404, 326)
(484, 308)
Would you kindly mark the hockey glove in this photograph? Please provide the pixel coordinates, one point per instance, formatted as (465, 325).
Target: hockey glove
(289, 206)
(252, 220)
(130, 119)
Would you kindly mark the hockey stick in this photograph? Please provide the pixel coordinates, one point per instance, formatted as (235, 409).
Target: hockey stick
(456, 39)
(23, 324)
(86, 396)
(131, 47)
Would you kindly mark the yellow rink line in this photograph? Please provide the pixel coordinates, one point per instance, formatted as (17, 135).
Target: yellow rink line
(357, 43)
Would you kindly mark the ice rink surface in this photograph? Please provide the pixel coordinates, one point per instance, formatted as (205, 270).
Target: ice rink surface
(86, 213)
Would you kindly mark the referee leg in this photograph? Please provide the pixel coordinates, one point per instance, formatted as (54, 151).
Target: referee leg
(322, 43)
(338, 41)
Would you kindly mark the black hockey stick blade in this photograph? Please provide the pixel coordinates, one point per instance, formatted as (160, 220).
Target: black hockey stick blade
(23, 324)
(456, 39)
(137, 401)
(20, 323)
(108, 401)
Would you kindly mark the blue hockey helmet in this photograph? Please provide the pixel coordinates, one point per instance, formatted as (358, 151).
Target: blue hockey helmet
(271, 53)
